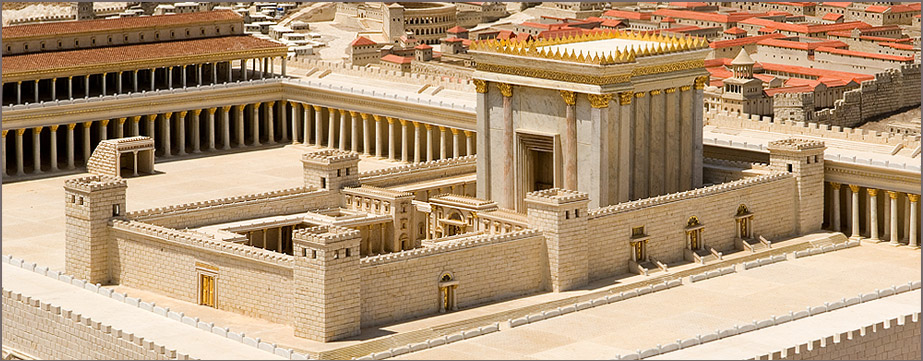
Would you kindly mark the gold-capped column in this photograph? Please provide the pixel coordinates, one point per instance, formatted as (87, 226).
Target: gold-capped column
(570, 139)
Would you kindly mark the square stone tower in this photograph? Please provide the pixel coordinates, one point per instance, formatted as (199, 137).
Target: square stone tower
(562, 216)
(327, 285)
(331, 169)
(805, 160)
(89, 203)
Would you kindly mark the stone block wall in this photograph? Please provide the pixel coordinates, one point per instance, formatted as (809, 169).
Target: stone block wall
(664, 219)
(894, 339)
(378, 73)
(404, 285)
(237, 208)
(52, 333)
(249, 281)
(890, 91)
(412, 173)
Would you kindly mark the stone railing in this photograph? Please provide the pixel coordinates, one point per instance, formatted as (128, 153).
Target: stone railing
(420, 171)
(204, 242)
(378, 73)
(358, 89)
(766, 124)
(40, 19)
(144, 214)
(448, 246)
(695, 193)
(152, 307)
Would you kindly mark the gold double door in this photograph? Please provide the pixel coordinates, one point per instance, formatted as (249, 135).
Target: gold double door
(207, 290)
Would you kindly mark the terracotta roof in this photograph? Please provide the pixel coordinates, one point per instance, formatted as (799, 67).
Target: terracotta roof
(134, 53)
(894, 8)
(864, 54)
(361, 41)
(806, 28)
(800, 45)
(794, 69)
(697, 15)
(120, 24)
(848, 34)
(832, 17)
(668, 20)
(422, 47)
(841, 4)
(801, 4)
(453, 39)
(897, 45)
(627, 15)
(735, 30)
(742, 41)
(391, 58)
(793, 89)
(688, 4)
(457, 30)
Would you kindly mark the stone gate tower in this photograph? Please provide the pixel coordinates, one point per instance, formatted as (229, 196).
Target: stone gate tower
(90, 202)
(327, 286)
(331, 169)
(562, 216)
(804, 159)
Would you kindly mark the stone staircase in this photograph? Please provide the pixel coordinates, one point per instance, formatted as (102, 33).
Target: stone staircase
(706, 256)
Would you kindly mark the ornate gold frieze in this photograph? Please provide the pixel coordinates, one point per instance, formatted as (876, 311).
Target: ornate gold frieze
(554, 75)
(505, 89)
(625, 98)
(570, 98)
(480, 85)
(599, 100)
(666, 68)
(700, 82)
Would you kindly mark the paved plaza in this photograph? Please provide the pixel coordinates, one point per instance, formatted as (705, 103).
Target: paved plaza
(33, 210)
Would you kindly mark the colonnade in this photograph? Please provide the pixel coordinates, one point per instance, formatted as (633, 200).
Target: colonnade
(373, 239)
(136, 80)
(376, 135)
(278, 239)
(876, 214)
(53, 148)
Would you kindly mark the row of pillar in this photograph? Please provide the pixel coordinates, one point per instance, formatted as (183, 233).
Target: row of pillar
(376, 135)
(204, 74)
(895, 223)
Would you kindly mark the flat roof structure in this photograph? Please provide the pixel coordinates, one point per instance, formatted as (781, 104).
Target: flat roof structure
(65, 28)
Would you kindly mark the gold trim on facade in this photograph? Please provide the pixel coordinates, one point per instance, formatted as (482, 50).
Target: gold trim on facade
(625, 98)
(700, 82)
(656, 92)
(669, 90)
(666, 68)
(599, 100)
(480, 85)
(505, 89)
(554, 75)
(570, 98)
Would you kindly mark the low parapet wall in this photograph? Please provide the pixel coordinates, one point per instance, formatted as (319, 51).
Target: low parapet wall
(419, 172)
(49, 332)
(283, 201)
(766, 124)
(379, 73)
(405, 285)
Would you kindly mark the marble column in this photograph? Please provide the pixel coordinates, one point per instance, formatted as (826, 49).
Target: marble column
(894, 218)
(506, 197)
(657, 143)
(165, 131)
(343, 129)
(416, 142)
(19, 152)
(354, 122)
(36, 150)
(87, 150)
(854, 189)
(54, 88)
(135, 126)
(624, 125)
(210, 126)
(641, 152)
(318, 126)
(255, 123)
(570, 139)
(196, 126)
(469, 143)
(697, 128)
(378, 137)
(331, 128)
(19, 92)
(70, 87)
(906, 219)
(306, 124)
(835, 187)
(184, 76)
(392, 132)
(104, 83)
(914, 217)
(226, 126)
(296, 131)
(443, 148)
(120, 127)
(70, 145)
(599, 149)
(181, 131)
(54, 148)
(239, 132)
(405, 141)
(151, 121)
(3, 153)
(134, 77)
(282, 126)
(456, 143)
(270, 122)
(873, 218)
(429, 142)
(119, 82)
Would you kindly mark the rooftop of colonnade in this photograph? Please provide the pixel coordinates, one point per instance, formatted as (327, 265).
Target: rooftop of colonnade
(70, 28)
(81, 62)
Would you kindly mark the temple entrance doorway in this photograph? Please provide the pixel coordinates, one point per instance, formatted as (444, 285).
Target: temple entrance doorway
(447, 288)
(538, 164)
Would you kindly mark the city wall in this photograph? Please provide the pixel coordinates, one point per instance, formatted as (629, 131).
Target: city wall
(894, 339)
(664, 219)
(249, 280)
(405, 285)
(766, 124)
(52, 333)
(891, 91)
(284, 201)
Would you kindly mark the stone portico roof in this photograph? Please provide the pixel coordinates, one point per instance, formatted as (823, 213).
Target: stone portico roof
(65, 28)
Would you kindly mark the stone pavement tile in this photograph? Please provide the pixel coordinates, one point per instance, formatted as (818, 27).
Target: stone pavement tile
(581, 350)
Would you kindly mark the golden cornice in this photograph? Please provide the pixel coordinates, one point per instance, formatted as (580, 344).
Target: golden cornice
(625, 98)
(505, 89)
(553, 75)
(570, 98)
(666, 68)
(599, 100)
(480, 85)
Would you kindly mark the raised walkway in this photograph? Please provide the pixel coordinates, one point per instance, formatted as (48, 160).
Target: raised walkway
(162, 331)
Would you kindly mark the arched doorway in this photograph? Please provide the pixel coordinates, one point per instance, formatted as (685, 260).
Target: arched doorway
(447, 288)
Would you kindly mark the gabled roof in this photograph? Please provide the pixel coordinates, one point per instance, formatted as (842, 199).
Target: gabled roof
(832, 17)
(391, 58)
(457, 30)
(422, 47)
(735, 30)
(361, 41)
(697, 15)
(802, 46)
(864, 54)
(627, 15)
(742, 41)
(806, 28)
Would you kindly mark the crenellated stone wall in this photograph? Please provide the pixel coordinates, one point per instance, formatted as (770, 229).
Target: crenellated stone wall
(379, 73)
(419, 172)
(891, 91)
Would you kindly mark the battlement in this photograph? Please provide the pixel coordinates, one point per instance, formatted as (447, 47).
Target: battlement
(462, 200)
(447, 246)
(695, 193)
(463, 84)
(94, 183)
(367, 190)
(556, 196)
(329, 156)
(433, 164)
(796, 144)
(326, 234)
(219, 202)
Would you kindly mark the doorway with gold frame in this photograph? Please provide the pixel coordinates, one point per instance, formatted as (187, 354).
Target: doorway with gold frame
(207, 277)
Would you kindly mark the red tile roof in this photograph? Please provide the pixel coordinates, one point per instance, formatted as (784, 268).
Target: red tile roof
(457, 30)
(422, 47)
(735, 30)
(832, 17)
(864, 54)
(391, 58)
(120, 24)
(610, 23)
(134, 53)
(360, 41)
(818, 73)
(806, 28)
(453, 39)
(697, 15)
(802, 46)
(894, 8)
(743, 41)
(802, 4)
(794, 89)
(838, 4)
(897, 45)
(627, 15)
(688, 4)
